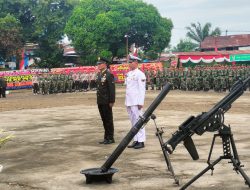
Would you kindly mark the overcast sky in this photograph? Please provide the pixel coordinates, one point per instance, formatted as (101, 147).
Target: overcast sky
(231, 15)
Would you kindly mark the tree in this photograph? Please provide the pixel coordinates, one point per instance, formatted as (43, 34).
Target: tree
(10, 38)
(162, 38)
(51, 17)
(42, 22)
(198, 33)
(185, 45)
(96, 26)
(22, 10)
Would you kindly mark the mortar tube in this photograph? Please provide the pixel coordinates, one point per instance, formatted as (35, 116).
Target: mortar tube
(134, 130)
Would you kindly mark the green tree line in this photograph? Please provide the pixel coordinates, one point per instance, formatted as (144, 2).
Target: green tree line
(96, 28)
(34, 21)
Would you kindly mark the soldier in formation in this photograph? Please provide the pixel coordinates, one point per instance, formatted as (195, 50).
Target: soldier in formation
(92, 78)
(53, 83)
(200, 78)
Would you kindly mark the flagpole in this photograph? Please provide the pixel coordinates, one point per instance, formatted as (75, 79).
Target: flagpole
(126, 36)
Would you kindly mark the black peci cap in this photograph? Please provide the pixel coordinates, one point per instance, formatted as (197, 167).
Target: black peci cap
(131, 60)
(103, 60)
(98, 62)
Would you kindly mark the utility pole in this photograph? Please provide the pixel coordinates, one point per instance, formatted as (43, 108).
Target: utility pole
(126, 36)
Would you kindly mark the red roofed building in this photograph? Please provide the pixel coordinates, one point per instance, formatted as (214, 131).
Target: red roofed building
(226, 43)
(233, 49)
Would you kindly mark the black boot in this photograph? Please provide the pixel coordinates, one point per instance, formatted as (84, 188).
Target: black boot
(133, 144)
(139, 145)
(109, 141)
(104, 141)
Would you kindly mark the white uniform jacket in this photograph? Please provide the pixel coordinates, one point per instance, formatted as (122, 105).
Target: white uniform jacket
(135, 87)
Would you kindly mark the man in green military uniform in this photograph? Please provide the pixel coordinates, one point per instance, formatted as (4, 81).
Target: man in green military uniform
(45, 85)
(152, 79)
(64, 82)
(55, 82)
(183, 84)
(105, 100)
(158, 80)
(3, 86)
(70, 82)
(147, 78)
(51, 84)
(206, 86)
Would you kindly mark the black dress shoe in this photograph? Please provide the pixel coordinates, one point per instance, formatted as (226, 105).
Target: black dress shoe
(133, 144)
(110, 141)
(139, 145)
(103, 142)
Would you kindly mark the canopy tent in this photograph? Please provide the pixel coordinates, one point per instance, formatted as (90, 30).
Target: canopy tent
(212, 57)
(204, 58)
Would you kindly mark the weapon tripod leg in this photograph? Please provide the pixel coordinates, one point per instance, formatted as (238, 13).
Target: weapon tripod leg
(227, 141)
(239, 169)
(236, 160)
(159, 133)
(209, 167)
(170, 168)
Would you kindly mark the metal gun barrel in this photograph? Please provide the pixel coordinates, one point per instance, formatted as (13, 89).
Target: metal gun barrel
(133, 131)
(196, 124)
(235, 93)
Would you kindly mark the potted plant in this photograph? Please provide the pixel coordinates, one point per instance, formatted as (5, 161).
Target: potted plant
(3, 140)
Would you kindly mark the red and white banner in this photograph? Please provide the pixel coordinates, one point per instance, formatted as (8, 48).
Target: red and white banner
(87, 69)
(119, 71)
(204, 58)
(20, 79)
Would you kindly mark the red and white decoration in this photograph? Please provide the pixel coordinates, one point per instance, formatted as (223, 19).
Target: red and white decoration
(204, 58)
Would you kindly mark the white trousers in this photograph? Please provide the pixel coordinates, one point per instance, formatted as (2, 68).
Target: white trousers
(134, 114)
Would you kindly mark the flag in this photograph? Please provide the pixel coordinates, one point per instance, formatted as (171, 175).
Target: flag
(21, 66)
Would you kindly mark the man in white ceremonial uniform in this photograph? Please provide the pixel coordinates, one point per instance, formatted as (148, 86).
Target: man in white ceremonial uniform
(35, 84)
(135, 82)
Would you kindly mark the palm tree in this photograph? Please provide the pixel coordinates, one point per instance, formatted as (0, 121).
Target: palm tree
(198, 33)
